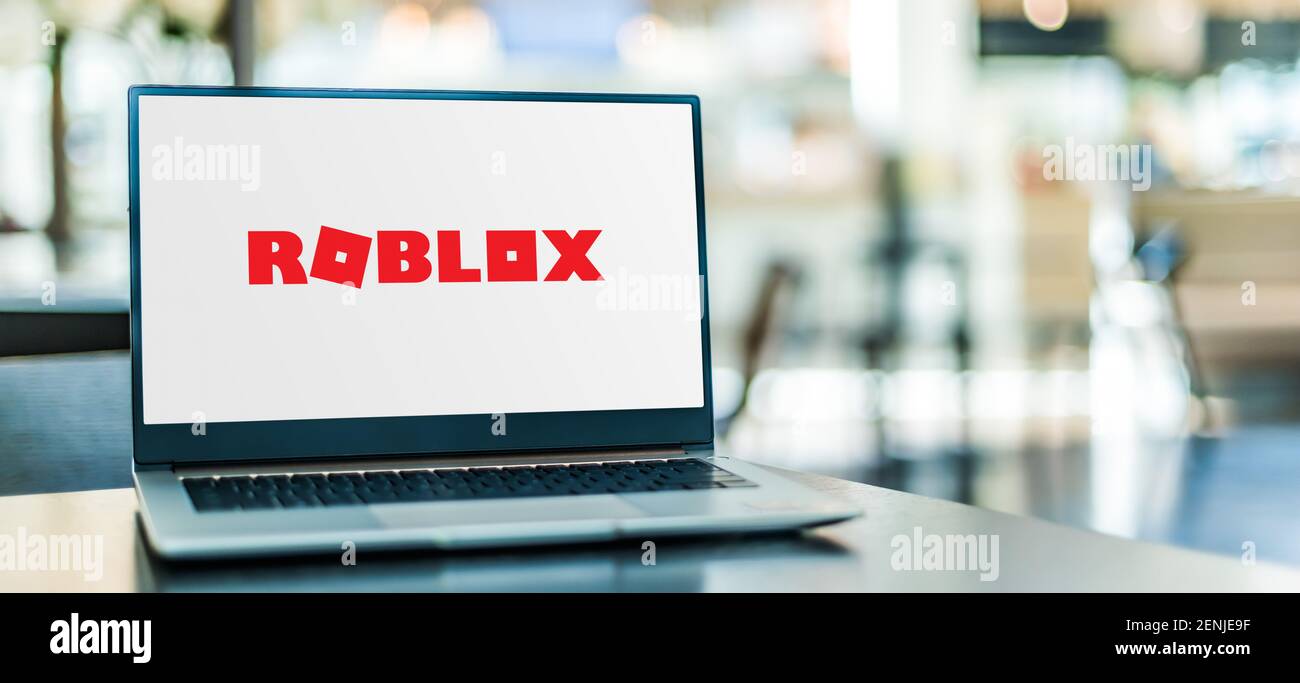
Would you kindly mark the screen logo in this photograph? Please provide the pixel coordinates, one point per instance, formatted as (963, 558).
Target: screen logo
(402, 256)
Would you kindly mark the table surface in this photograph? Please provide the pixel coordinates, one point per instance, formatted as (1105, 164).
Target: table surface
(71, 431)
(1033, 555)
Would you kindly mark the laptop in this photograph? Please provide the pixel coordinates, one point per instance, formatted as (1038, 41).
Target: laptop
(393, 319)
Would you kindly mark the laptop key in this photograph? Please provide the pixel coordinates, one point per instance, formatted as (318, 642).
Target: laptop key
(211, 500)
(331, 499)
(291, 501)
(258, 502)
(377, 496)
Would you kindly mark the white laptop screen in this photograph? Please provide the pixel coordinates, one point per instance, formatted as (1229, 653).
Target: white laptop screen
(306, 258)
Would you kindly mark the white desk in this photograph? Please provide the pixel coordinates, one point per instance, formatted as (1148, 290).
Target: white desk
(852, 556)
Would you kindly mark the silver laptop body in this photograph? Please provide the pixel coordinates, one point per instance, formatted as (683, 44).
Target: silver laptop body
(406, 365)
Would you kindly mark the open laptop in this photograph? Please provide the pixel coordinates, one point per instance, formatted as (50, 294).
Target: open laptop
(417, 319)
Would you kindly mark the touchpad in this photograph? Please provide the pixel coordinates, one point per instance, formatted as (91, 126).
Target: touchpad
(505, 511)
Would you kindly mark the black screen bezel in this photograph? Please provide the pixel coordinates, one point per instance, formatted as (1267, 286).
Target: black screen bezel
(433, 434)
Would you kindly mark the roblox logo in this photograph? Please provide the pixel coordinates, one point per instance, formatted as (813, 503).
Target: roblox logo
(402, 256)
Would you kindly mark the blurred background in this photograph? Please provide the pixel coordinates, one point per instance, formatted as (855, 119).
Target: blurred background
(1034, 255)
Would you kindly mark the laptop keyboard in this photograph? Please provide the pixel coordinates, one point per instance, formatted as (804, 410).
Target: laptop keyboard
(219, 494)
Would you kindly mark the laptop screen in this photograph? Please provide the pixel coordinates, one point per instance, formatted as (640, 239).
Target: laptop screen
(319, 258)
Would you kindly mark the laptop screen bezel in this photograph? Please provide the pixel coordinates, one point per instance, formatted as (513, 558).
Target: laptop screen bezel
(426, 434)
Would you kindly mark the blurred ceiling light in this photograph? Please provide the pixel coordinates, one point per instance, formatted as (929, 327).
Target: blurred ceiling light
(406, 25)
(833, 21)
(467, 38)
(468, 18)
(21, 32)
(277, 21)
(1158, 36)
(875, 71)
(101, 15)
(1178, 15)
(1047, 15)
(470, 24)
